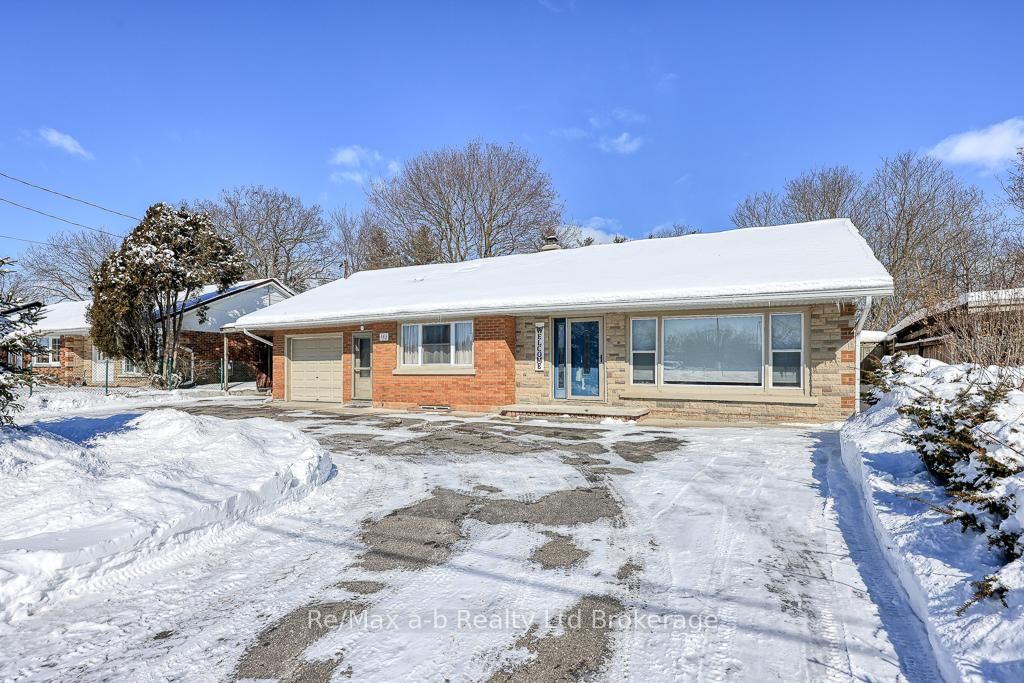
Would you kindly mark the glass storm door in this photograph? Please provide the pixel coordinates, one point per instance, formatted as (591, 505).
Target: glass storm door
(102, 368)
(558, 358)
(362, 361)
(585, 358)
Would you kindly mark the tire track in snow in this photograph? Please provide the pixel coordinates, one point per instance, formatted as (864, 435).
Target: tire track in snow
(904, 630)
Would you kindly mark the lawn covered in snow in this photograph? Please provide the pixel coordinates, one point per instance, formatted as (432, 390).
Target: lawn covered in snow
(936, 561)
(49, 401)
(87, 501)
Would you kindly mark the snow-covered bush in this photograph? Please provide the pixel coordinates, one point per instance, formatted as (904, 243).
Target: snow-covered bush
(967, 426)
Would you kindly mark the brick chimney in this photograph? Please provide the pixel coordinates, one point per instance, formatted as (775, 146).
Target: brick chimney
(551, 242)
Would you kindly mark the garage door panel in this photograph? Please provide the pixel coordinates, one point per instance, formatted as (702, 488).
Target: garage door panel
(315, 369)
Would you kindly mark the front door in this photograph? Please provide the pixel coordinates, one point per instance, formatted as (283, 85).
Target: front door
(586, 359)
(102, 368)
(362, 363)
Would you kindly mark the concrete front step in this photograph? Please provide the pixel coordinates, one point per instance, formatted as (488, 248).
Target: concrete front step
(575, 410)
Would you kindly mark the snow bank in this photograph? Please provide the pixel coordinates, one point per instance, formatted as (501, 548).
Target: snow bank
(934, 560)
(49, 402)
(87, 501)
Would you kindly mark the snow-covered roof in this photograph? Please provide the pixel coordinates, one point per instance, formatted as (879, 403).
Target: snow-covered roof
(873, 336)
(68, 317)
(981, 299)
(817, 261)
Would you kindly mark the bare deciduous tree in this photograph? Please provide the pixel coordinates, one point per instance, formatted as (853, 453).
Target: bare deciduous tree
(1015, 183)
(62, 269)
(829, 192)
(762, 208)
(674, 230)
(453, 205)
(935, 235)
(822, 193)
(16, 287)
(278, 235)
(362, 244)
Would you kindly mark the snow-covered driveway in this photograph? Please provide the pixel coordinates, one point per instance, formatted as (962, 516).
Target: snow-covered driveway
(483, 549)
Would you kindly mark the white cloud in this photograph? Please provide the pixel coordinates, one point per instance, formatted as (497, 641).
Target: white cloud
(601, 229)
(619, 114)
(667, 83)
(989, 147)
(628, 115)
(354, 156)
(356, 177)
(570, 133)
(625, 143)
(54, 138)
(557, 6)
(359, 164)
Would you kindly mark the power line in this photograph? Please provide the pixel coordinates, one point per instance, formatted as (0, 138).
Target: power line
(67, 196)
(57, 218)
(21, 239)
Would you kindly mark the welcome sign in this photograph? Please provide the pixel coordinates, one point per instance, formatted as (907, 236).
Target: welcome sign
(538, 347)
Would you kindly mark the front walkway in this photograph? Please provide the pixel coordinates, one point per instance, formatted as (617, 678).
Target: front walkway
(448, 548)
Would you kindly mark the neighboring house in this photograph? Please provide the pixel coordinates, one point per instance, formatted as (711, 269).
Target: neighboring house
(931, 332)
(69, 357)
(753, 325)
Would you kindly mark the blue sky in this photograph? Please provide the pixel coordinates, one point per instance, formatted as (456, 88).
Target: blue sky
(643, 113)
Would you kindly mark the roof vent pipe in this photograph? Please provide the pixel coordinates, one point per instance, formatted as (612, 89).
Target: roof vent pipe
(551, 242)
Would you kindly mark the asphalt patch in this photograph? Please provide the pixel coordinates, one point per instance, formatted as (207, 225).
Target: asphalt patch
(425, 533)
(277, 652)
(559, 552)
(578, 651)
(646, 451)
(361, 587)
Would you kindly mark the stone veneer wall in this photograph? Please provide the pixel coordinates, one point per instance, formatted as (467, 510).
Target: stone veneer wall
(492, 385)
(830, 359)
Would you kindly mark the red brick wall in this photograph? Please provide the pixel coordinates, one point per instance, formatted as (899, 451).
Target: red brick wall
(72, 362)
(492, 386)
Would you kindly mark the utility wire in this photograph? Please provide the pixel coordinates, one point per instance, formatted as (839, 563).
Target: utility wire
(57, 218)
(67, 196)
(21, 239)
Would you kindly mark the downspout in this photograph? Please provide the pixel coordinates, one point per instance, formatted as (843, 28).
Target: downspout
(224, 365)
(249, 334)
(856, 351)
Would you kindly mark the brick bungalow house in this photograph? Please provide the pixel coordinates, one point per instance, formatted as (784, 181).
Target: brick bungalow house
(68, 356)
(744, 325)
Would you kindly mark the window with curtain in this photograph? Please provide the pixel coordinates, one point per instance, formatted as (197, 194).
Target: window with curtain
(49, 351)
(713, 350)
(437, 343)
(643, 344)
(787, 336)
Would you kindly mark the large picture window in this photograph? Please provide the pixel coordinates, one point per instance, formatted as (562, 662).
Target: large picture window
(49, 352)
(787, 335)
(437, 344)
(713, 350)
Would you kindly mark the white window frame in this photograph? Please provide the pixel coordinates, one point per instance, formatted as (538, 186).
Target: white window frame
(130, 372)
(451, 342)
(770, 360)
(714, 387)
(657, 351)
(52, 354)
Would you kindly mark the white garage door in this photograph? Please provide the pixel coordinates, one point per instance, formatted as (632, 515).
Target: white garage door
(314, 370)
